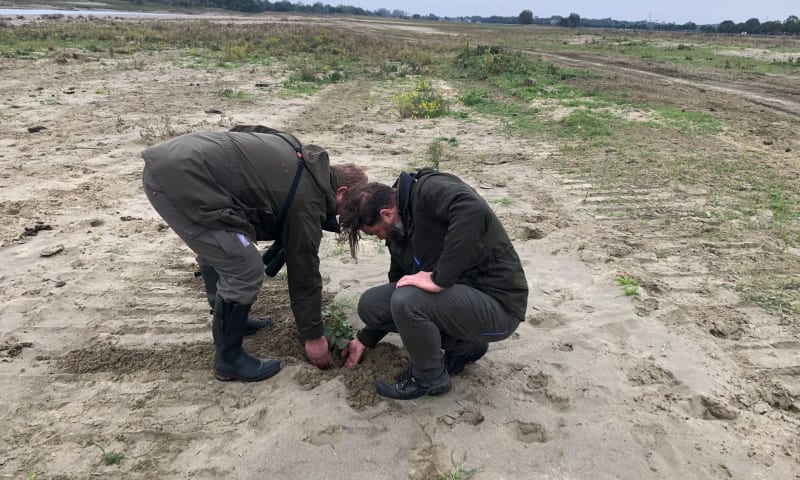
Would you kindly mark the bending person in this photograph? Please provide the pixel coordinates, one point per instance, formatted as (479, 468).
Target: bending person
(221, 192)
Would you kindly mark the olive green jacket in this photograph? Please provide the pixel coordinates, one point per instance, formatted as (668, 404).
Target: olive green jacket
(239, 182)
(451, 231)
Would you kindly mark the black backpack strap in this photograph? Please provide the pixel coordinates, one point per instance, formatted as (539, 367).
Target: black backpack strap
(274, 257)
(301, 165)
(296, 148)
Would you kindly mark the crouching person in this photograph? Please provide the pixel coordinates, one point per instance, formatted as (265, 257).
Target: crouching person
(455, 280)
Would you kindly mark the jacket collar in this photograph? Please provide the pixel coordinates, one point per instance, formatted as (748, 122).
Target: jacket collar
(404, 184)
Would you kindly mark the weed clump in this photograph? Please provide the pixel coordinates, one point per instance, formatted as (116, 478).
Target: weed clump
(423, 101)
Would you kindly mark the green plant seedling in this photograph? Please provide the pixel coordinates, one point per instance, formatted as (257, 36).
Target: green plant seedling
(458, 472)
(109, 457)
(338, 330)
(629, 285)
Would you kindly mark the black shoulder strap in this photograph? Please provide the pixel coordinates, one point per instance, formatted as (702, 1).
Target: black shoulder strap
(296, 148)
(301, 164)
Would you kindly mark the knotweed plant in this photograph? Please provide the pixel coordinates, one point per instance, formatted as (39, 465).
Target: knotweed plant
(338, 330)
(423, 101)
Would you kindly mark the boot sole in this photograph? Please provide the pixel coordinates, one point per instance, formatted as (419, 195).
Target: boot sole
(229, 377)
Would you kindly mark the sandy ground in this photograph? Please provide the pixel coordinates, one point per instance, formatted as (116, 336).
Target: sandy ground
(105, 343)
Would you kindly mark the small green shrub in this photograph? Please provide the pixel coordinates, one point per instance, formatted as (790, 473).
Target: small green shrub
(629, 285)
(337, 329)
(423, 101)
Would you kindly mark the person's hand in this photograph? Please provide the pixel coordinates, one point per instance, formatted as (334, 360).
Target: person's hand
(353, 352)
(318, 354)
(421, 280)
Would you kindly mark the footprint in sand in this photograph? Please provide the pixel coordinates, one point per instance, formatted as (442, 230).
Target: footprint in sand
(328, 436)
(469, 416)
(528, 432)
(536, 385)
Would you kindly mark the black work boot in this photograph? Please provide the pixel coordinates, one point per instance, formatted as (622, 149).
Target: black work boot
(456, 359)
(231, 362)
(210, 277)
(408, 387)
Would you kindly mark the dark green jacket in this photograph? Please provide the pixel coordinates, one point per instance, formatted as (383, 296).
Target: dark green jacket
(451, 231)
(238, 182)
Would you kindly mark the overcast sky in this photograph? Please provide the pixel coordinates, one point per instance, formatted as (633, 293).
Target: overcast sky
(676, 11)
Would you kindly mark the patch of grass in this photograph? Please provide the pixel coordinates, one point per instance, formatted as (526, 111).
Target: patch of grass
(475, 96)
(522, 90)
(452, 141)
(704, 52)
(458, 472)
(689, 122)
(237, 95)
(109, 457)
(310, 76)
(587, 124)
(774, 293)
(295, 89)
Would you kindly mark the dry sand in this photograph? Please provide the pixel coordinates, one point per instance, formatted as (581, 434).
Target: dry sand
(106, 342)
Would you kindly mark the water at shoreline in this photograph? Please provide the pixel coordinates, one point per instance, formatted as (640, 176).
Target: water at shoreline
(49, 11)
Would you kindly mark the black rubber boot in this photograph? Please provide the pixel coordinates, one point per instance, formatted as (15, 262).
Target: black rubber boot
(210, 277)
(409, 387)
(231, 362)
(458, 355)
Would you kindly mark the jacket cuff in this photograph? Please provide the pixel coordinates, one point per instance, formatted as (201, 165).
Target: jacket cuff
(311, 333)
(370, 337)
(436, 278)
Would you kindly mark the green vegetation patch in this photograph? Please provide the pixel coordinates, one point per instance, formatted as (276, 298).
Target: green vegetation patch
(526, 91)
(778, 294)
(718, 52)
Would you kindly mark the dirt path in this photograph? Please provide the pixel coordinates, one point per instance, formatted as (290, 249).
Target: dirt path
(779, 93)
(104, 338)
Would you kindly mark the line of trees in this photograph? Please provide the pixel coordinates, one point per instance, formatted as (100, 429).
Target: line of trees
(257, 6)
(791, 26)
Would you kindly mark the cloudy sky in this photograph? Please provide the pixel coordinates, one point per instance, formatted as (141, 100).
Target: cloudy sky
(676, 11)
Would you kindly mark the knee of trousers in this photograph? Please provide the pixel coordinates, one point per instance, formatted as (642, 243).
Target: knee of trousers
(373, 307)
(404, 303)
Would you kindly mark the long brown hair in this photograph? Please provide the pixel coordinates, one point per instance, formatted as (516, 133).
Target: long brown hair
(362, 208)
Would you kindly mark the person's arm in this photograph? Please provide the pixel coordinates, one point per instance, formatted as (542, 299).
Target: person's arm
(468, 218)
(395, 270)
(303, 236)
